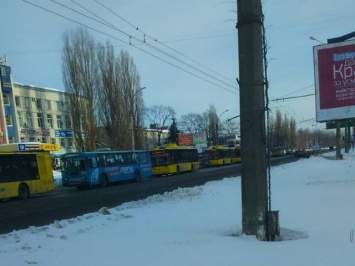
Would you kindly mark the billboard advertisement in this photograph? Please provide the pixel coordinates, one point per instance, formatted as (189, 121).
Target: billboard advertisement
(200, 139)
(5, 72)
(334, 67)
(185, 139)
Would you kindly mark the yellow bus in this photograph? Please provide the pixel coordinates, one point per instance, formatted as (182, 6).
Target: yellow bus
(221, 155)
(25, 169)
(173, 159)
(237, 156)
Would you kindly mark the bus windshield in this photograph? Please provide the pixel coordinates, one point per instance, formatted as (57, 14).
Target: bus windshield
(160, 159)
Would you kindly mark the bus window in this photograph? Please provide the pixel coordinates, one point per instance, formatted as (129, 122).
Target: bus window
(134, 157)
(110, 159)
(89, 162)
(144, 158)
(101, 160)
(127, 158)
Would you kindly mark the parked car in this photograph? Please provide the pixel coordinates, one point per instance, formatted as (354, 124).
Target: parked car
(302, 154)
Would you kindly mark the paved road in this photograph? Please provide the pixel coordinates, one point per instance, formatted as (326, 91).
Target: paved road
(64, 203)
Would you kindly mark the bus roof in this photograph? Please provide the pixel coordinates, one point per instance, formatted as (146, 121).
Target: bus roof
(28, 146)
(172, 146)
(92, 153)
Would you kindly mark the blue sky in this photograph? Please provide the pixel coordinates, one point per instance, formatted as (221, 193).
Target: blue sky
(202, 30)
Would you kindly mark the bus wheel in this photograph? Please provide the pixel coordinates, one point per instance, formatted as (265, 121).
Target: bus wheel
(177, 170)
(103, 181)
(23, 191)
(137, 176)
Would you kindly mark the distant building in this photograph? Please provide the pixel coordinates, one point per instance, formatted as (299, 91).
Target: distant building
(33, 114)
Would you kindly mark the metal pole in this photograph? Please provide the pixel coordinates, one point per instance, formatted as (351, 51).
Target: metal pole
(132, 132)
(337, 136)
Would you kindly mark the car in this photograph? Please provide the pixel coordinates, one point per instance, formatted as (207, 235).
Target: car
(302, 153)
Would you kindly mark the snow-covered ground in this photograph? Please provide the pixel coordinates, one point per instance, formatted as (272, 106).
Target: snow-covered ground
(202, 225)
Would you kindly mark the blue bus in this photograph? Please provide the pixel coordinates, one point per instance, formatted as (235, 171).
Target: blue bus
(100, 168)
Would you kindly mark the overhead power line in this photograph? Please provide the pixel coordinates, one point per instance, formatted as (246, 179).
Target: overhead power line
(156, 40)
(105, 23)
(287, 98)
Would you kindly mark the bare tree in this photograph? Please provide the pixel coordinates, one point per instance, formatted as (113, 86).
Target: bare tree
(80, 74)
(212, 124)
(192, 123)
(293, 134)
(121, 101)
(158, 117)
(133, 94)
(231, 129)
(113, 109)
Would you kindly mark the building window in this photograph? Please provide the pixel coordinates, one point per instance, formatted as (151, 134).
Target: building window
(20, 118)
(43, 140)
(27, 102)
(59, 121)
(6, 100)
(32, 139)
(49, 105)
(53, 141)
(40, 120)
(65, 107)
(8, 120)
(39, 104)
(49, 121)
(59, 106)
(22, 139)
(70, 143)
(11, 140)
(29, 120)
(67, 121)
(62, 143)
(17, 101)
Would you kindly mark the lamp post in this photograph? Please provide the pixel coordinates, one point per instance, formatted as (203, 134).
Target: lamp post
(315, 39)
(217, 137)
(132, 117)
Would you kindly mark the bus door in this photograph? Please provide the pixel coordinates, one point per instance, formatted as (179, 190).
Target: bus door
(32, 169)
(23, 168)
(73, 170)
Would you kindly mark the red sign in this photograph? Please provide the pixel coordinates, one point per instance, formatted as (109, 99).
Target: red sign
(185, 139)
(335, 80)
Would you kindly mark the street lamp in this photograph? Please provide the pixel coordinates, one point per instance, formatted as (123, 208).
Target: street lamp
(217, 140)
(132, 120)
(315, 39)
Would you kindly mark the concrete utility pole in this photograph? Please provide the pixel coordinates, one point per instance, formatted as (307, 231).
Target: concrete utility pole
(252, 117)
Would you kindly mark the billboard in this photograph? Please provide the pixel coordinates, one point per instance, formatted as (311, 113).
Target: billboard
(5, 72)
(185, 139)
(200, 139)
(334, 68)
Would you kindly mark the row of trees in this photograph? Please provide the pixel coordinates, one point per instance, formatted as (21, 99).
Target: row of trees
(283, 132)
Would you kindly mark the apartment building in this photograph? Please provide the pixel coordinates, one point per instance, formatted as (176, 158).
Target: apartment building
(42, 115)
(33, 114)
